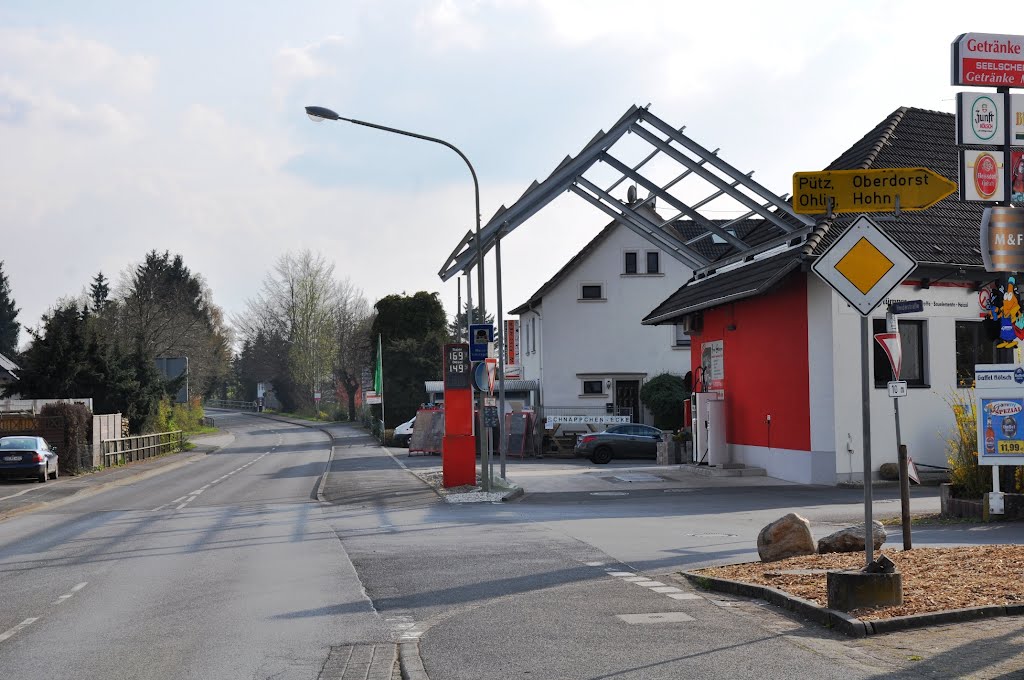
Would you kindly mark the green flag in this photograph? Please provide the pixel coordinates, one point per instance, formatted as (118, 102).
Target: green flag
(378, 373)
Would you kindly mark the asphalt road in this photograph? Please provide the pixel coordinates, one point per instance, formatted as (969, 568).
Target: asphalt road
(229, 567)
(217, 569)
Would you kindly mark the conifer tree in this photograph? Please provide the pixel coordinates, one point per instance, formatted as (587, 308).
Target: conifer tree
(9, 326)
(99, 292)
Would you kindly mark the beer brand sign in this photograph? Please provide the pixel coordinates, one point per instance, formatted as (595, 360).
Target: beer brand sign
(981, 176)
(980, 118)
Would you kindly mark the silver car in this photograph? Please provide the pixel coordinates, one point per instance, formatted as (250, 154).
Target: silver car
(25, 457)
(619, 441)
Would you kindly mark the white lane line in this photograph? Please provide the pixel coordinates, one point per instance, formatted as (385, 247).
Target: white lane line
(66, 596)
(621, 573)
(188, 498)
(651, 584)
(13, 631)
(160, 507)
(15, 495)
(178, 500)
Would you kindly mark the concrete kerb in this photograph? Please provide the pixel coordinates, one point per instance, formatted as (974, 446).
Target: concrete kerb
(842, 622)
(410, 662)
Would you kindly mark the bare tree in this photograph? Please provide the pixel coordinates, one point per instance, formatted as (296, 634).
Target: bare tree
(354, 319)
(298, 303)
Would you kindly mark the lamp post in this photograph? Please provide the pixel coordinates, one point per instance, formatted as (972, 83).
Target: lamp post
(318, 114)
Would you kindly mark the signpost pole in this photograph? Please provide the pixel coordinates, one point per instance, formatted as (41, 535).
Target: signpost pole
(502, 340)
(904, 479)
(865, 390)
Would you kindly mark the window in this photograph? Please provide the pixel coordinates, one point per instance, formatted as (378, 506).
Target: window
(591, 291)
(593, 387)
(912, 337)
(630, 264)
(681, 339)
(653, 257)
(975, 346)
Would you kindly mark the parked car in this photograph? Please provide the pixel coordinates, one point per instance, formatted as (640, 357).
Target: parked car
(619, 441)
(27, 457)
(403, 433)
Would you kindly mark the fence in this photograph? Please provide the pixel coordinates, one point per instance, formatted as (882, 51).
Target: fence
(231, 404)
(130, 449)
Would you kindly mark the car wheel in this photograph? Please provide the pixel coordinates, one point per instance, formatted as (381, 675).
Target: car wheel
(43, 475)
(602, 456)
(55, 473)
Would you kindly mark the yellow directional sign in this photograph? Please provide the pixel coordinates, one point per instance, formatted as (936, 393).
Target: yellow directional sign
(866, 191)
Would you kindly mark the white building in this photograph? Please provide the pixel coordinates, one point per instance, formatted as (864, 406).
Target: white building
(580, 333)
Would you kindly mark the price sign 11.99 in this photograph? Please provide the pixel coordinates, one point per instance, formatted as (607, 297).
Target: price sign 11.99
(457, 367)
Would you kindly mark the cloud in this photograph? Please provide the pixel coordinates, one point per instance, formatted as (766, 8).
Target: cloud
(305, 63)
(61, 58)
(447, 25)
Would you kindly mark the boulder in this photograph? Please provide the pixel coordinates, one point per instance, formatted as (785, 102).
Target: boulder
(889, 472)
(787, 536)
(851, 539)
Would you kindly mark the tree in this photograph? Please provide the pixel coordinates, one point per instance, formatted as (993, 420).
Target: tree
(413, 330)
(99, 293)
(664, 395)
(164, 310)
(9, 326)
(297, 306)
(457, 329)
(355, 348)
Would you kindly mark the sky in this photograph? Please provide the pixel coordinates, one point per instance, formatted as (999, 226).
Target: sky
(128, 126)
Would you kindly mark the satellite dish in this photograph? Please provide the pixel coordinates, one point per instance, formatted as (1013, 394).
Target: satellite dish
(631, 194)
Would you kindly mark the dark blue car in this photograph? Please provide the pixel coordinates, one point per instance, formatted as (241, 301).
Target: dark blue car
(27, 458)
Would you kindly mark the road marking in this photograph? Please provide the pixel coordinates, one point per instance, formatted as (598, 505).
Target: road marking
(621, 573)
(659, 617)
(666, 589)
(66, 596)
(15, 495)
(178, 500)
(188, 498)
(595, 564)
(685, 596)
(13, 631)
(650, 584)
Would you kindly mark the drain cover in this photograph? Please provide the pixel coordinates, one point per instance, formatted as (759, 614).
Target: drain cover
(658, 617)
(637, 477)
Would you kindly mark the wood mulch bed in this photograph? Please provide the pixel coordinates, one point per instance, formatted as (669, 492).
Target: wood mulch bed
(934, 579)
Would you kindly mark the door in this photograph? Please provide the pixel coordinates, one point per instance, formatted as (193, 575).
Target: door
(627, 399)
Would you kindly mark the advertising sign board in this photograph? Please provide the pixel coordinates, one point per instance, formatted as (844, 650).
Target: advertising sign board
(988, 60)
(511, 341)
(980, 118)
(981, 176)
(999, 394)
(457, 367)
(1002, 241)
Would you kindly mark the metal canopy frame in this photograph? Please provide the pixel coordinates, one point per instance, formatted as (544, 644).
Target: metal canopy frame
(694, 171)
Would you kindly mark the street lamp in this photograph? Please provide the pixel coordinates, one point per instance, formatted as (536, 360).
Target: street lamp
(319, 114)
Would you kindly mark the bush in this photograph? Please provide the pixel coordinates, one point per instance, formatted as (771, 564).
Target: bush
(77, 424)
(968, 479)
(170, 417)
(664, 395)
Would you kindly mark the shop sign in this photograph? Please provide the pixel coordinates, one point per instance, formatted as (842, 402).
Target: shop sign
(1002, 239)
(988, 60)
(587, 420)
(712, 362)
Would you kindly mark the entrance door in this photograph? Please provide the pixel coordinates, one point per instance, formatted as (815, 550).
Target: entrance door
(627, 399)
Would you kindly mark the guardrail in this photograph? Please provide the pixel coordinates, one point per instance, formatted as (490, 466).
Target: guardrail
(233, 404)
(130, 449)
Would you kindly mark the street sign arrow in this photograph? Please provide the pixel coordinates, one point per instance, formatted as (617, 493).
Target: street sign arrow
(867, 191)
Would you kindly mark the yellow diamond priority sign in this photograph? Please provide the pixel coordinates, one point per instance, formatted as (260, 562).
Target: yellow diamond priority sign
(864, 265)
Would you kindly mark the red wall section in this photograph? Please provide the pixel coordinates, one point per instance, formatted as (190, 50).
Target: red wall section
(765, 365)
